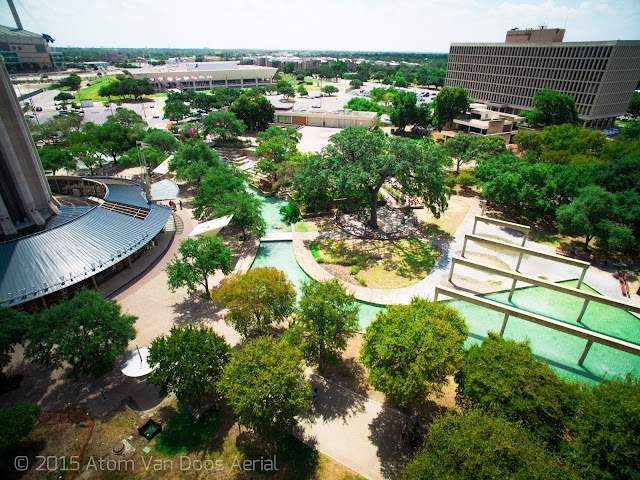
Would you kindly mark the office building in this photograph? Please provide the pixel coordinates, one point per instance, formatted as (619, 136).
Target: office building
(600, 76)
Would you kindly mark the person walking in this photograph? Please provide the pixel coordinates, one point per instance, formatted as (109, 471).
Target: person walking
(180, 203)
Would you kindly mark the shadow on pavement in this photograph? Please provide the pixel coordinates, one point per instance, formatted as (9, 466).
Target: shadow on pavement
(195, 309)
(333, 402)
(385, 432)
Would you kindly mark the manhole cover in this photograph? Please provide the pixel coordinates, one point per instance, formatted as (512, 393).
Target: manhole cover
(119, 448)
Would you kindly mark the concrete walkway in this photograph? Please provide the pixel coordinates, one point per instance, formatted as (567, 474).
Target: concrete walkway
(602, 280)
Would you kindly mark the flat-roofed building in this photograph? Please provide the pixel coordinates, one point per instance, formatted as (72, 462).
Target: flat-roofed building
(600, 76)
(204, 75)
(324, 118)
(479, 120)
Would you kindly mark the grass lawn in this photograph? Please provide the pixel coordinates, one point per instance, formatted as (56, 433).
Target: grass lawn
(209, 448)
(402, 263)
(318, 224)
(91, 92)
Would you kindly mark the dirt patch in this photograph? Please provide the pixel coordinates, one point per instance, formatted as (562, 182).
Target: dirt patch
(449, 221)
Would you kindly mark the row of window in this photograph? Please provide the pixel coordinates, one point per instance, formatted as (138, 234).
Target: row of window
(537, 62)
(526, 74)
(550, 51)
(505, 82)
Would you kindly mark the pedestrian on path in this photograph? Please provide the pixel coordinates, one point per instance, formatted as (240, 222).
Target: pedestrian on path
(314, 396)
(180, 203)
(404, 434)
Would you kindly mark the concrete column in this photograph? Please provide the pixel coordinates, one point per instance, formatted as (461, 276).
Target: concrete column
(6, 225)
(584, 352)
(504, 324)
(513, 287)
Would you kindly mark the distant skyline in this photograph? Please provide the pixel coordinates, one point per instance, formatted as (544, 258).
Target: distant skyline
(352, 25)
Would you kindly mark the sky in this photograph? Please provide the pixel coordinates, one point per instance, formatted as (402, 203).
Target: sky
(344, 25)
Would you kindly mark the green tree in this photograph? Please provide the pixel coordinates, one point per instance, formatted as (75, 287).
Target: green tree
(256, 300)
(63, 97)
(255, 110)
(162, 140)
(217, 183)
(127, 118)
(193, 161)
(291, 212)
(302, 90)
(265, 385)
(72, 82)
(82, 148)
(277, 149)
(460, 149)
(449, 102)
(475, 445)
(289, 133)
(200, 258)
(603, 442)
(551, 107)
(222, 125)
(634, 105)
(590, 214)
(54, 158)
(360, 162)
(111, 139)
(287, 91)
(14, 326)
(190, 362)
(356, 83)
(176, 110)
(363, 105)
(411, 350)
(16, 422)
(87, 332)
(246, 210)
(529, 141)
(631, 131)
(329, 89)
(404, 110)
(327, 318)
(504, 378)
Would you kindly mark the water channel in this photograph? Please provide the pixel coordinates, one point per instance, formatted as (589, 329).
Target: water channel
(280, 255)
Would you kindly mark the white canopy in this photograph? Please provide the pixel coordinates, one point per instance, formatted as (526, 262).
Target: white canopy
(163, 168)
(135, 363)
(212, 227)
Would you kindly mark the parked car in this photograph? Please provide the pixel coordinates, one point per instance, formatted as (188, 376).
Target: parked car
(29, 115)
(38, 109)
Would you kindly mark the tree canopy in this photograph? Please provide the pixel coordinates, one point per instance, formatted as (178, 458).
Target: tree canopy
(256, 300)
(193, 160)
(551, 107)
(16, 422)
(449, 102)
(54, 158)
(191, 360)
(176, 110)
(504, 378)
(88, 332)
(595, 213)
(200, 258)
(222, 125)
(327, 317)
(265, 385)
(14, 326)
(255, 110)
(357, 163)
(475, 445)
(162, 140)
(410, 350)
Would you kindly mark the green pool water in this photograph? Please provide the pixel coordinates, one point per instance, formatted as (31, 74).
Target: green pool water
(271, 212)
(559, 349)
(280, 255)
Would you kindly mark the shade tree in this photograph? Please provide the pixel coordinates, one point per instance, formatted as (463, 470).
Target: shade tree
(254, 109)
(551, 107)
(411, 350)
(199, 259)
(222, 126)
(256, 300)
(87, 332)
(266, 387)
(189, 362)
(449, 102)
(327, 317)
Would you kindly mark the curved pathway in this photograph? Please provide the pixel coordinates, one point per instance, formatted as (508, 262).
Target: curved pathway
(602, 280)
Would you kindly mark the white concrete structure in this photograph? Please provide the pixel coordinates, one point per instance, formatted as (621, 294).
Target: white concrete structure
(212, 227)
(324, 118)
(204, 75)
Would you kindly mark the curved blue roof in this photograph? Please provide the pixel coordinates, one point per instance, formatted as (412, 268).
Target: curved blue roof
(42, 263)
